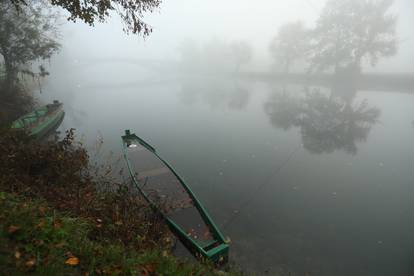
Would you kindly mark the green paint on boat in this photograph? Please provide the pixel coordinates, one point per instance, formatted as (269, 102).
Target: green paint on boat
(168, 194)
(41, 121)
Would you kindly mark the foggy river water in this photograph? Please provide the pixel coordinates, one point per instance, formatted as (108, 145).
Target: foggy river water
(305, 180)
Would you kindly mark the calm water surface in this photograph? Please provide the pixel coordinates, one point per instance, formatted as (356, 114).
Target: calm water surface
(304, 180)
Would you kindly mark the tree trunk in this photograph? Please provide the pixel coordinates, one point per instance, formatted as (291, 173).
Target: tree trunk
(11, 75)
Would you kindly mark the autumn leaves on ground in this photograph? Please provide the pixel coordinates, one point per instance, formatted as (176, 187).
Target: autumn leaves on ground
(58, 219)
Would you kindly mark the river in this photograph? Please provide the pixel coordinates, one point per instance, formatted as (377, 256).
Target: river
(305, 180)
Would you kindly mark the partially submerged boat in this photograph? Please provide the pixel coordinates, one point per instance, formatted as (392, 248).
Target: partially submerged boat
(41, 121)
(168, 194)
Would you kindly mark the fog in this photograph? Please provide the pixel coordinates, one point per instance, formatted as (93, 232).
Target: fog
(294, 129)
(204, 21)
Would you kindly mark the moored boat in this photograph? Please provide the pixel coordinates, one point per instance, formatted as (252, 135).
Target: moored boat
(168, 194)
(41, 121)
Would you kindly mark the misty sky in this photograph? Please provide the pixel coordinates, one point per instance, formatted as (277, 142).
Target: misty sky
(202, 20)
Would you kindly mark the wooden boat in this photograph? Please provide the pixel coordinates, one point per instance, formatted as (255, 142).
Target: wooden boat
(168, 194)
(41, 121)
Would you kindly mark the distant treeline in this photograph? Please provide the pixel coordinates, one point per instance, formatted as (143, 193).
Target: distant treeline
(347, 37)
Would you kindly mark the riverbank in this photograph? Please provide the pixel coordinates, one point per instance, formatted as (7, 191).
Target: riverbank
(57, 216)
(366, 81)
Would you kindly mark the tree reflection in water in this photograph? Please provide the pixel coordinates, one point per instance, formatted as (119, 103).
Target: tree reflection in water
(327, 121)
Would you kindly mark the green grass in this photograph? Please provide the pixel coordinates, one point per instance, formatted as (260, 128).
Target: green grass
(36, 239)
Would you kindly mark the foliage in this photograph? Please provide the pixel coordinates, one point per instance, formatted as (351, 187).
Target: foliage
(90, 11)
(13, 105)
(38, 240)
(55, 218)
(59, 172)
(290, 44)
(350, 32)
(26, 35)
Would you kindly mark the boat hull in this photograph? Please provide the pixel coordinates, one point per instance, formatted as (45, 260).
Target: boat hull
(41, 121)
(168, 194)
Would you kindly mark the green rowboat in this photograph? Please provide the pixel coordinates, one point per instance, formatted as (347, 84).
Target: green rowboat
(41, 121)
(168, 194)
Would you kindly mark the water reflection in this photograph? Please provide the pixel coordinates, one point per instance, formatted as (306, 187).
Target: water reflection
(328, 120)
(215, 92)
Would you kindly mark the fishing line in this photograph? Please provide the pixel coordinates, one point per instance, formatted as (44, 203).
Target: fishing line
(260, 187)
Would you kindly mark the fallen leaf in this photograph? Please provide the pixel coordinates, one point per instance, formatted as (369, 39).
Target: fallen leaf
(42, 210)
(147, 270)
(60, 245)
(39, 242)
(17, 255)
(40, 224)
(72, 261)
(12, 229)
(30, 263)
(57, 224)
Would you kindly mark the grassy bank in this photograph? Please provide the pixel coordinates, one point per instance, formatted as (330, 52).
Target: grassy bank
(57, 218)
(37, 239)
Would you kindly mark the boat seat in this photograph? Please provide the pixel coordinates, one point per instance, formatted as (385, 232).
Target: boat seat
(154, 172)
(210, 245)
(217, 249)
